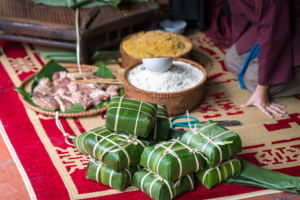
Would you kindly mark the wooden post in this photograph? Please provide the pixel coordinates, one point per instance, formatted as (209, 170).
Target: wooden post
(84, 52)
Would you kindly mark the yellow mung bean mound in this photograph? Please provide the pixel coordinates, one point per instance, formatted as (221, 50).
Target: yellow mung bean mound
(155, 44)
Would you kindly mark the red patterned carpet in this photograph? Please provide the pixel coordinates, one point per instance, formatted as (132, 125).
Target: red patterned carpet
(51, 169)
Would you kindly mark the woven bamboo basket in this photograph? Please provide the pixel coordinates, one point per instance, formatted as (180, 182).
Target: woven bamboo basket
(30, 78)
(176, 102)
(128, 60)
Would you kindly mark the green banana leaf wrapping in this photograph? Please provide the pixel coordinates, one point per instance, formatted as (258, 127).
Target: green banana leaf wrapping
(130, 116)
(216, 142)
(159, 189)
(101, 173)
(160, 132)
(117, 151)
(220, 173)
(172, 159)
(253, 175)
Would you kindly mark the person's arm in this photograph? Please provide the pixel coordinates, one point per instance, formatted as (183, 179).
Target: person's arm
(260, 99)
(273, 33)
(239, 20)
(275, 56)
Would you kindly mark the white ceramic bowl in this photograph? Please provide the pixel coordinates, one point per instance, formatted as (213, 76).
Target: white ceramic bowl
(173, 26)
(157, 65)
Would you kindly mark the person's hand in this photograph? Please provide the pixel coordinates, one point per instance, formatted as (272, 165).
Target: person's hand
(260, 99)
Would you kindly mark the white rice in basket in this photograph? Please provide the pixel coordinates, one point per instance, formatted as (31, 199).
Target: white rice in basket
(180, 77)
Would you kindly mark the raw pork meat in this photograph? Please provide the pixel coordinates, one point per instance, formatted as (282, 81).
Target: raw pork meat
(113, 90)
(44, 87)
(64, 92)
(45, 101)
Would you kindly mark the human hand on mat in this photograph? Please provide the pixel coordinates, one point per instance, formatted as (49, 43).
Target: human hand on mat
(260, 99)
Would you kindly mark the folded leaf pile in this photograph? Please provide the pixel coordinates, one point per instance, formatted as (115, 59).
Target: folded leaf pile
(253, 175)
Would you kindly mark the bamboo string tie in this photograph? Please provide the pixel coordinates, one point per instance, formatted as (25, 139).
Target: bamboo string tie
(61, 128)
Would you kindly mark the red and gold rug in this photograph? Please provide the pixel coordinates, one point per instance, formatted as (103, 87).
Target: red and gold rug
(51, 169)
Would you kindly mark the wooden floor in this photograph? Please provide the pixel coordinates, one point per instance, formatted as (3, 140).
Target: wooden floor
(12, 186)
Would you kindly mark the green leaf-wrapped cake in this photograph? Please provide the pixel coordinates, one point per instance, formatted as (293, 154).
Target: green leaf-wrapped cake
(101, 173)
(160, 132)
(130, 116)
(172, 159)
(159, 189)
(117, 151)
(216, 142)
(220, 173)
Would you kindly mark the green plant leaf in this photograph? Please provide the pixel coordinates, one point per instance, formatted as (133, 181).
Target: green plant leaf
(105, 56)
(121, 91)
(103, 104)
(60, 56)
(77, 108)
(113, 3)
(103, 71)
(47, 71)
(70, 56)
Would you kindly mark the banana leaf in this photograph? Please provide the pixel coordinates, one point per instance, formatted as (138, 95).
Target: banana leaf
(130, 116)
(215, 141)
(118, 151)
(47, 71)
(160, 131)
(104, 56)
(101, 173)
(159, 189)
(172, 159)
(253, 175)
(104, 71)
(174, 134)
(218, 174)
(84, 3)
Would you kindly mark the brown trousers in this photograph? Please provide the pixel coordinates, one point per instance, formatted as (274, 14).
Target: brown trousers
(234, 64)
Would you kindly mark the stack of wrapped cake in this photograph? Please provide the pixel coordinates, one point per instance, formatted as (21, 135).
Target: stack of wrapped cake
(205, 152)
(119, 148)
(169, 168)
(115, 149)
(218, 145)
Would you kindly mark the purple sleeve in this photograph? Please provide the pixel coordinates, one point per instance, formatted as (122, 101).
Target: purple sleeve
(238, 19)
(273, 35)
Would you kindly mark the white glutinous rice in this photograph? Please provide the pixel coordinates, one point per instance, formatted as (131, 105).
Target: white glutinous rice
(180, 76)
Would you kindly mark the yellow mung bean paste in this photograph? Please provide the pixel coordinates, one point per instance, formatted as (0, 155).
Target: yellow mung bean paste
(156, 44)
